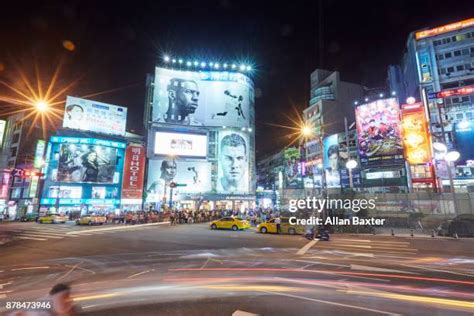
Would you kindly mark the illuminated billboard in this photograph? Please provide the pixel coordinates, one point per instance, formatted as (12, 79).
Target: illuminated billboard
(416, 141)
(86, 163)
(202, 98)
(445, 29)
(378, 132)
(464, 140)
(191, 176)
(233, 162)
(293, 172)
(94, 116)
(133, 172)
(452, 92)
(334, 161)
(180, 144)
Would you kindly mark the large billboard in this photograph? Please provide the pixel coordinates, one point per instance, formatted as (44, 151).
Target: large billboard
(416, 140)
(202, 98)
(378, 132)
(293, 170)
(334, 160)
(3, 125)
(94, 116)
(133, 172)
(86, 163)
(180, 144)
(464, 140)
(190, 176)
(233, 162)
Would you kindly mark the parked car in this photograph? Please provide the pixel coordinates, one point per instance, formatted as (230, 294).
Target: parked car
(462, 225)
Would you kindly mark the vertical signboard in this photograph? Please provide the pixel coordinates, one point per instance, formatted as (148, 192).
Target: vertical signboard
(33, 186)
(134, 172)
(3, 124)
(39, 152)
(416, 140)
(5, 182)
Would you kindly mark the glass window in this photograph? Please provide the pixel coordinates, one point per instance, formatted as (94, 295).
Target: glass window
(459, 67)
(457, 53)
(440, 56)
(460, 37)
(455, 100)
(472, 49)
(448, 55)
(469, 115)
(443, 71)
(450, 69)
(465, 51)
(465, 99)
(459, 116)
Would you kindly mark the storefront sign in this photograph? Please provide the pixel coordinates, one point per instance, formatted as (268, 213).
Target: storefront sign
(416, 140)
(134, 172)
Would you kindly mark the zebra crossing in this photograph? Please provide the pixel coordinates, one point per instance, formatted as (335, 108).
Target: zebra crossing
(56, 232)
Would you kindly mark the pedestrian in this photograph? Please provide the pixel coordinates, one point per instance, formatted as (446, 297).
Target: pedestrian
(278, 224)
(172, 223)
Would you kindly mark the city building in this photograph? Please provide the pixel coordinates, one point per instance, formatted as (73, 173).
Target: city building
(438, 69)
(200, 123)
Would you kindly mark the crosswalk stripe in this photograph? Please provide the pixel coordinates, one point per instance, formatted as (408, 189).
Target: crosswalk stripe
(40, 236)
(43, 233)
(21, 237)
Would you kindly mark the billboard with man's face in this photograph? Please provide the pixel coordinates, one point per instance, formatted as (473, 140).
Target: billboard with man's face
(378, 131)
(94, 116)
(233, 162)
(334, 160)
(202, 98)
(192, 176)
(86, 163)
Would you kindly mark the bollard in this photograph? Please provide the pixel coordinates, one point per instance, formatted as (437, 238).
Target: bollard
(432, 233)
(393, 234)
(411, 232)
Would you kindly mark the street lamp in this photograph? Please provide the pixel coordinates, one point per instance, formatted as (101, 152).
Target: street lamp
(450, 158)
(351, 164)
(306, 131)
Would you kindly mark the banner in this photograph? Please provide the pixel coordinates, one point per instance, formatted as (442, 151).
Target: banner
(133, 172)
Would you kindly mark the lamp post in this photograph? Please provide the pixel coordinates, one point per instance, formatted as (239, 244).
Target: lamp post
(351, 164)
(450, 158)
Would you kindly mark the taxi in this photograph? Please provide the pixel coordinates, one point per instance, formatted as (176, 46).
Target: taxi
(285, 226)
(52, 218)
(234, 223)
(91, 219)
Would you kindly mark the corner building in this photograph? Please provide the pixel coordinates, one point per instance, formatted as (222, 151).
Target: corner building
(200, 139)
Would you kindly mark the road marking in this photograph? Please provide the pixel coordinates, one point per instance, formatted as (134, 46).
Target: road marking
(30, 268)
(43, 236)
(436, 270)
(139, 273)
(8, 283)
(31, 238)
(321, 263)
(242, 313)
(367, 268)
(115, 228)
(306, 247)
(332, 303)
(356, 240)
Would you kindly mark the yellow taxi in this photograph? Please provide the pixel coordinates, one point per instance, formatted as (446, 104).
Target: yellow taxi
(52, 218)
(234, 223)
(91, 219)
(285, 227)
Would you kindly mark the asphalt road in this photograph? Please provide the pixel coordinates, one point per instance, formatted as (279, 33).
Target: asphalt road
(192, 270)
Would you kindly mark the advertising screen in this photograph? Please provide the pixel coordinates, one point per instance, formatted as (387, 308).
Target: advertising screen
(334, 160)
(293, 177)
(94, 116)
(378, 131)
(86, 163)
(233, 157)
(464, 138)
(202, 98)
(416, 141)
(190, 176)
(39, 152)
(180, 144)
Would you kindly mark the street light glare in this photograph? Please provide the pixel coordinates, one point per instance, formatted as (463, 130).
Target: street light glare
(452, 156)
(41, 105)
(306, 131)
(351, 164)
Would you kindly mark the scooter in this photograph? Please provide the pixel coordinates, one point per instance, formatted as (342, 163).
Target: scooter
(320, 233)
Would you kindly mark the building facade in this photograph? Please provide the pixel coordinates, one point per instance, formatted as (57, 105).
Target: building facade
(200, 126)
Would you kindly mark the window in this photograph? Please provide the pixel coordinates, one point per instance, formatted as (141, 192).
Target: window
(448, 55)
(440, 56)
(443, 71)
(450, 69)
(465, 51)
(13, 151)
(453, 38)
(465, 99)
(472, 49)
(457, 53)
(460, 37)
(446, 40)
(437, 42)
(459, 116)
(15, 138)
(459, 67)
(455, 100)
(469, 115)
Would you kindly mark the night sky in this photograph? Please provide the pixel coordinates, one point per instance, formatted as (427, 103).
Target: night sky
(118, 43)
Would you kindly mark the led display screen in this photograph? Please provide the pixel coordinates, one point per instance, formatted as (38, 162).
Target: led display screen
(334, 160)
(180, 144)
(416, 141)
(86, 163)
(378, 131)
(190, 176)
(202, 98)
(94, 116)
